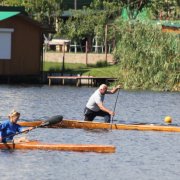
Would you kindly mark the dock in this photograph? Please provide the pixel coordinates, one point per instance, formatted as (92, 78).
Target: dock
(91, 80)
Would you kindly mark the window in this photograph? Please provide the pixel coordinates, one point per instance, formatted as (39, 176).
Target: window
(5, 43)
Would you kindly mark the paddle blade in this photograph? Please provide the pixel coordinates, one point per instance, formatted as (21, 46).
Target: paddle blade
(52, 120)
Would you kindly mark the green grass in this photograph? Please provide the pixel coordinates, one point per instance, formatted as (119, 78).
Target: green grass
(76, 68)
(109, 71)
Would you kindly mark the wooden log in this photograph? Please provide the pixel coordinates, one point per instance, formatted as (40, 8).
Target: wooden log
(59, 147)
(99, 125)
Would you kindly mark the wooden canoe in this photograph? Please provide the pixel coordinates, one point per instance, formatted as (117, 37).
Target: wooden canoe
(99, 125)
(59, 147)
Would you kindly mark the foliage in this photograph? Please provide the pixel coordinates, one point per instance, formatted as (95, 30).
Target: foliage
(89, 22)
(97, 15)
(80, 25)
(148, 58)
(165, 9)
(101, 64)
(45, 11)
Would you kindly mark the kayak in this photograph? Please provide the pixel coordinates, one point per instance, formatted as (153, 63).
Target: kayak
(59, 147)
(99, 125)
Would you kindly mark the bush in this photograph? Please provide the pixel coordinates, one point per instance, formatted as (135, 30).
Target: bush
(148, 58)
(101, 64)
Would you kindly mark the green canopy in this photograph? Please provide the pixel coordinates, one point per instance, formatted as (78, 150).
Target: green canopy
(7, 14)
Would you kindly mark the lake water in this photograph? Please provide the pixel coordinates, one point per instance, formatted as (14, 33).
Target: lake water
(141, 155)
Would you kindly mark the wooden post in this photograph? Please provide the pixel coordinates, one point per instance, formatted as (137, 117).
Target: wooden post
(63, 67)
(86, 53)
(78, 83)
(49, 81)
(75, 4)
(106, 29)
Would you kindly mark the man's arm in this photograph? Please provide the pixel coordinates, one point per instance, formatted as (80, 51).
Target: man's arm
(114, 90)
(105, 109)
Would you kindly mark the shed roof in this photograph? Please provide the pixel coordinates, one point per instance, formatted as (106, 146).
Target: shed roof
(169, 24)
(7, 14)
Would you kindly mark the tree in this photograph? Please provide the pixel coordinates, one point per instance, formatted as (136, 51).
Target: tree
(165, 9)
(90, 22)
(45, 11)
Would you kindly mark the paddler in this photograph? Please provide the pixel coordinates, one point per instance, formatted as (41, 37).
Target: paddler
(95, 107)
(9, 128)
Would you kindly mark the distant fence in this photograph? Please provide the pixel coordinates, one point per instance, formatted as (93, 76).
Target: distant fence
(90, 58)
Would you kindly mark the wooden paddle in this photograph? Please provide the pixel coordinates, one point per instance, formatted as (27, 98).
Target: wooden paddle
(50, 121)
(114, 108)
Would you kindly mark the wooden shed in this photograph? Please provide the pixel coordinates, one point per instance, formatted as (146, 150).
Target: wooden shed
(168, 27)
(21, 46)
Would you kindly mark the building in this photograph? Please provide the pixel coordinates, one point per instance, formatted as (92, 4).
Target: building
(171, 27)
(21, 45)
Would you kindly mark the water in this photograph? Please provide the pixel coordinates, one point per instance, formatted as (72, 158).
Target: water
(139, 155)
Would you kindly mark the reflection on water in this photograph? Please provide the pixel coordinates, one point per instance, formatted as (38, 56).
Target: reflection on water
(139, 155)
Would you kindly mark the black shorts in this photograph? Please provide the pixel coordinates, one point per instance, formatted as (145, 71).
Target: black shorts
(90, 115)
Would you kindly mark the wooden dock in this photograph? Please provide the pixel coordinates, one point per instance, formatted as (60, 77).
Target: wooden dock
(91, 80)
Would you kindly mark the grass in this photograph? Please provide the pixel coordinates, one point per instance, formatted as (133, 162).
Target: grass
(77, 68)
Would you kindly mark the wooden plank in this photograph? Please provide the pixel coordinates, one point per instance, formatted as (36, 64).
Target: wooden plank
(79, 78)
(99, 125)
(30, 123)
(59, 147)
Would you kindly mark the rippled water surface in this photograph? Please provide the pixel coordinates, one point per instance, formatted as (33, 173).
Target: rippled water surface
(139, 155)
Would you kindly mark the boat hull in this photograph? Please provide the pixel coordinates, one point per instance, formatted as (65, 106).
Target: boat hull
(59, 147)
(99, 125)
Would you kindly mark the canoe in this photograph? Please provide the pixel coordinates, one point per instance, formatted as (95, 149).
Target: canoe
(59, 147)
(99, 125)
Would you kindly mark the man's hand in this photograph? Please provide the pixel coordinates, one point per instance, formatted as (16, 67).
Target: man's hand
(119, 86)
(105, 109)
(0, 139)
(111, 113)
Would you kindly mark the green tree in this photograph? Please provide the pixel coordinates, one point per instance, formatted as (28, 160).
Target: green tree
(45, 11)
(27, 4)
(165, 9)
(90, 22)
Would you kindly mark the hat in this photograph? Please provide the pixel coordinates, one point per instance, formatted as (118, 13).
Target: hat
(14, 113)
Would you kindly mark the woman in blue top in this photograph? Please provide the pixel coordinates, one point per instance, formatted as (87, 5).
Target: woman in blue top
(10, 127)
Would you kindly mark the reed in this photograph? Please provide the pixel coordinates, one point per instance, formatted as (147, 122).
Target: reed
(148, 58)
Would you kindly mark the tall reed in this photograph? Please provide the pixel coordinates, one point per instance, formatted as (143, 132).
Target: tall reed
(148, 58)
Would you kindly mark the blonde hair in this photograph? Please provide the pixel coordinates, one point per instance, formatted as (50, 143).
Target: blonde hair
(14, 113)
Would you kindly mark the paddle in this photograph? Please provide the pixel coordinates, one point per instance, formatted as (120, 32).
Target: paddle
(114, 107)
(50, 121)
